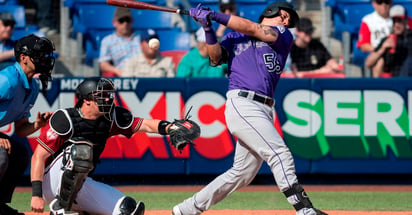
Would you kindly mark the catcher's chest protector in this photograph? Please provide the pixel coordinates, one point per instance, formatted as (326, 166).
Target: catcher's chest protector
(97, 131)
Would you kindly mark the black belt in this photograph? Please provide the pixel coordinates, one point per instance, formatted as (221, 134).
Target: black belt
(258, 98)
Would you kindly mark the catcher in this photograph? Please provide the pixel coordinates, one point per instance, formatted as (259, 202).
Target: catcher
(70, 145)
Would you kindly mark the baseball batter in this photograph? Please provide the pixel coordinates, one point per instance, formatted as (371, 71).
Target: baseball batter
(256, 54)
(69, 148)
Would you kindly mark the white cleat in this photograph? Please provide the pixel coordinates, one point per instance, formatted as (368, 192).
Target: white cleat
(176, 211)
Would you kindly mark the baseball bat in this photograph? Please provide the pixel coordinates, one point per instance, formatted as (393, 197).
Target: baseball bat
(144, 6)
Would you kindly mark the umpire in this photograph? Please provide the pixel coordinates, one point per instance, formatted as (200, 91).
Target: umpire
(18, 93)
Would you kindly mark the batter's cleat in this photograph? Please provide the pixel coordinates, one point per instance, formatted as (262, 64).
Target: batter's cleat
(140, 208)
(56, 209)
(310, 211)
(176, 211)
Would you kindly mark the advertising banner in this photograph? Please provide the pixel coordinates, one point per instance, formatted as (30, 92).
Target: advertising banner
(330, 125)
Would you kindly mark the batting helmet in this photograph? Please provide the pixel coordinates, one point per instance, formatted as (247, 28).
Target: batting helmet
(273, 10)
(97, 89)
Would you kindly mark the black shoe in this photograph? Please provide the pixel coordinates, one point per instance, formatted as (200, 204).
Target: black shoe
(140, 208)
(7, 210)
(56, 209)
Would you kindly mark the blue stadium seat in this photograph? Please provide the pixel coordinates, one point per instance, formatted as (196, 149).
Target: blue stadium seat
(93, 16)
(144, 19)
(349, 17)
(358, 57)
(9, 2)
(173, 40)
(251, 11)
(92, 45)
(18, 14)
(21, 32)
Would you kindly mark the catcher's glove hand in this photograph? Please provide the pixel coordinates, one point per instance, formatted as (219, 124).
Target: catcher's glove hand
(183, 132)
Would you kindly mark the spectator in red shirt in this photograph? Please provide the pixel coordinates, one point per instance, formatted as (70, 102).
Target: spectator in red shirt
(375, 26)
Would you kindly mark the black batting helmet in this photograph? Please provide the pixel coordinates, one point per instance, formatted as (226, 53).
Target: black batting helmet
(273, 9)
(97, 89)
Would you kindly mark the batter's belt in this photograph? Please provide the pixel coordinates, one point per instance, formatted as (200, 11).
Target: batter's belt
(262, 99)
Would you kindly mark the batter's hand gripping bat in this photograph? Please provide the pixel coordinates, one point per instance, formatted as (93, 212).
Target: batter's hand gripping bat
(144, 6)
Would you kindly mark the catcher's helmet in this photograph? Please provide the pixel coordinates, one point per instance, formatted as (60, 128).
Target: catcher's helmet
(97, 89)
(273, 9)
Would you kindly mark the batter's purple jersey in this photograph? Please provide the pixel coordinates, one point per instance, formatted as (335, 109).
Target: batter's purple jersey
(256, 65)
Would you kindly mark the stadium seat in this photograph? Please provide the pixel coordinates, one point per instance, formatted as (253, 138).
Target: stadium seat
(176, 55)
(144, 19)
(251, 11)
(349, 16)
(92, 45)
(18, 13)
(9, 2)
(174, 40)
(358, 57)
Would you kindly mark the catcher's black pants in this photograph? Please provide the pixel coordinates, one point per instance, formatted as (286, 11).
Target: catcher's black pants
(12, 166)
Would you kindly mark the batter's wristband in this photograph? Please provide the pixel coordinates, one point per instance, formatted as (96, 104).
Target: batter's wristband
(221, 18)
(210, 37)
(37, 188)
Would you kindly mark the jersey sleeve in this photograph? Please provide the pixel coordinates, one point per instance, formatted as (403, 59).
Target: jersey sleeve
(128, 132)
(364, 35)
(50, 140)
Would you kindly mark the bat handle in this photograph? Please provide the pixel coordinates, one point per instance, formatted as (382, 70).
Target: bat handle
(184, 12)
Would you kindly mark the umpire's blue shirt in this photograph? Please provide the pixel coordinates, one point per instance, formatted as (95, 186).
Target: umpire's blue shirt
(17, 94)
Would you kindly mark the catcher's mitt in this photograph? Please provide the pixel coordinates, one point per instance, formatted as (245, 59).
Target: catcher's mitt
(183, 132)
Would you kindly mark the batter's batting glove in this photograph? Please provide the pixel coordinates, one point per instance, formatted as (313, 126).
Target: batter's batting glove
(203, 16)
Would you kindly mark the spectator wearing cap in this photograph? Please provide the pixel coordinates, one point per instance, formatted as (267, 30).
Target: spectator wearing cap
(119, 46)
(309, 56)
(226, 7)
(195, 63)
(149, 63)
(18, 94)
(392, 57)
(375, 26)
(7, 23)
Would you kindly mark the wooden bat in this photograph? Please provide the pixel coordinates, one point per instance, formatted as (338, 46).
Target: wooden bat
(144, 6)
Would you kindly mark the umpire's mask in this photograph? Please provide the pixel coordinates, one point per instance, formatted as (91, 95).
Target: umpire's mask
(40, 50)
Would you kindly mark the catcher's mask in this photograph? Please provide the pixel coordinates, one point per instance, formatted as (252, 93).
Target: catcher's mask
(100, 90)
(273, 10)
(40, 50)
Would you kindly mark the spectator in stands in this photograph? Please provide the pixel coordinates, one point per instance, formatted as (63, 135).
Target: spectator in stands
(7, 23)
(375, 26)
(226, 7)
(119, 46)
(196, 62)
(149, 63)
(45, 16)
(391, 57)
(309, 55)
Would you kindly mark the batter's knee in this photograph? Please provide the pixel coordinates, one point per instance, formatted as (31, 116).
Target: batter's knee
(128, 206)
